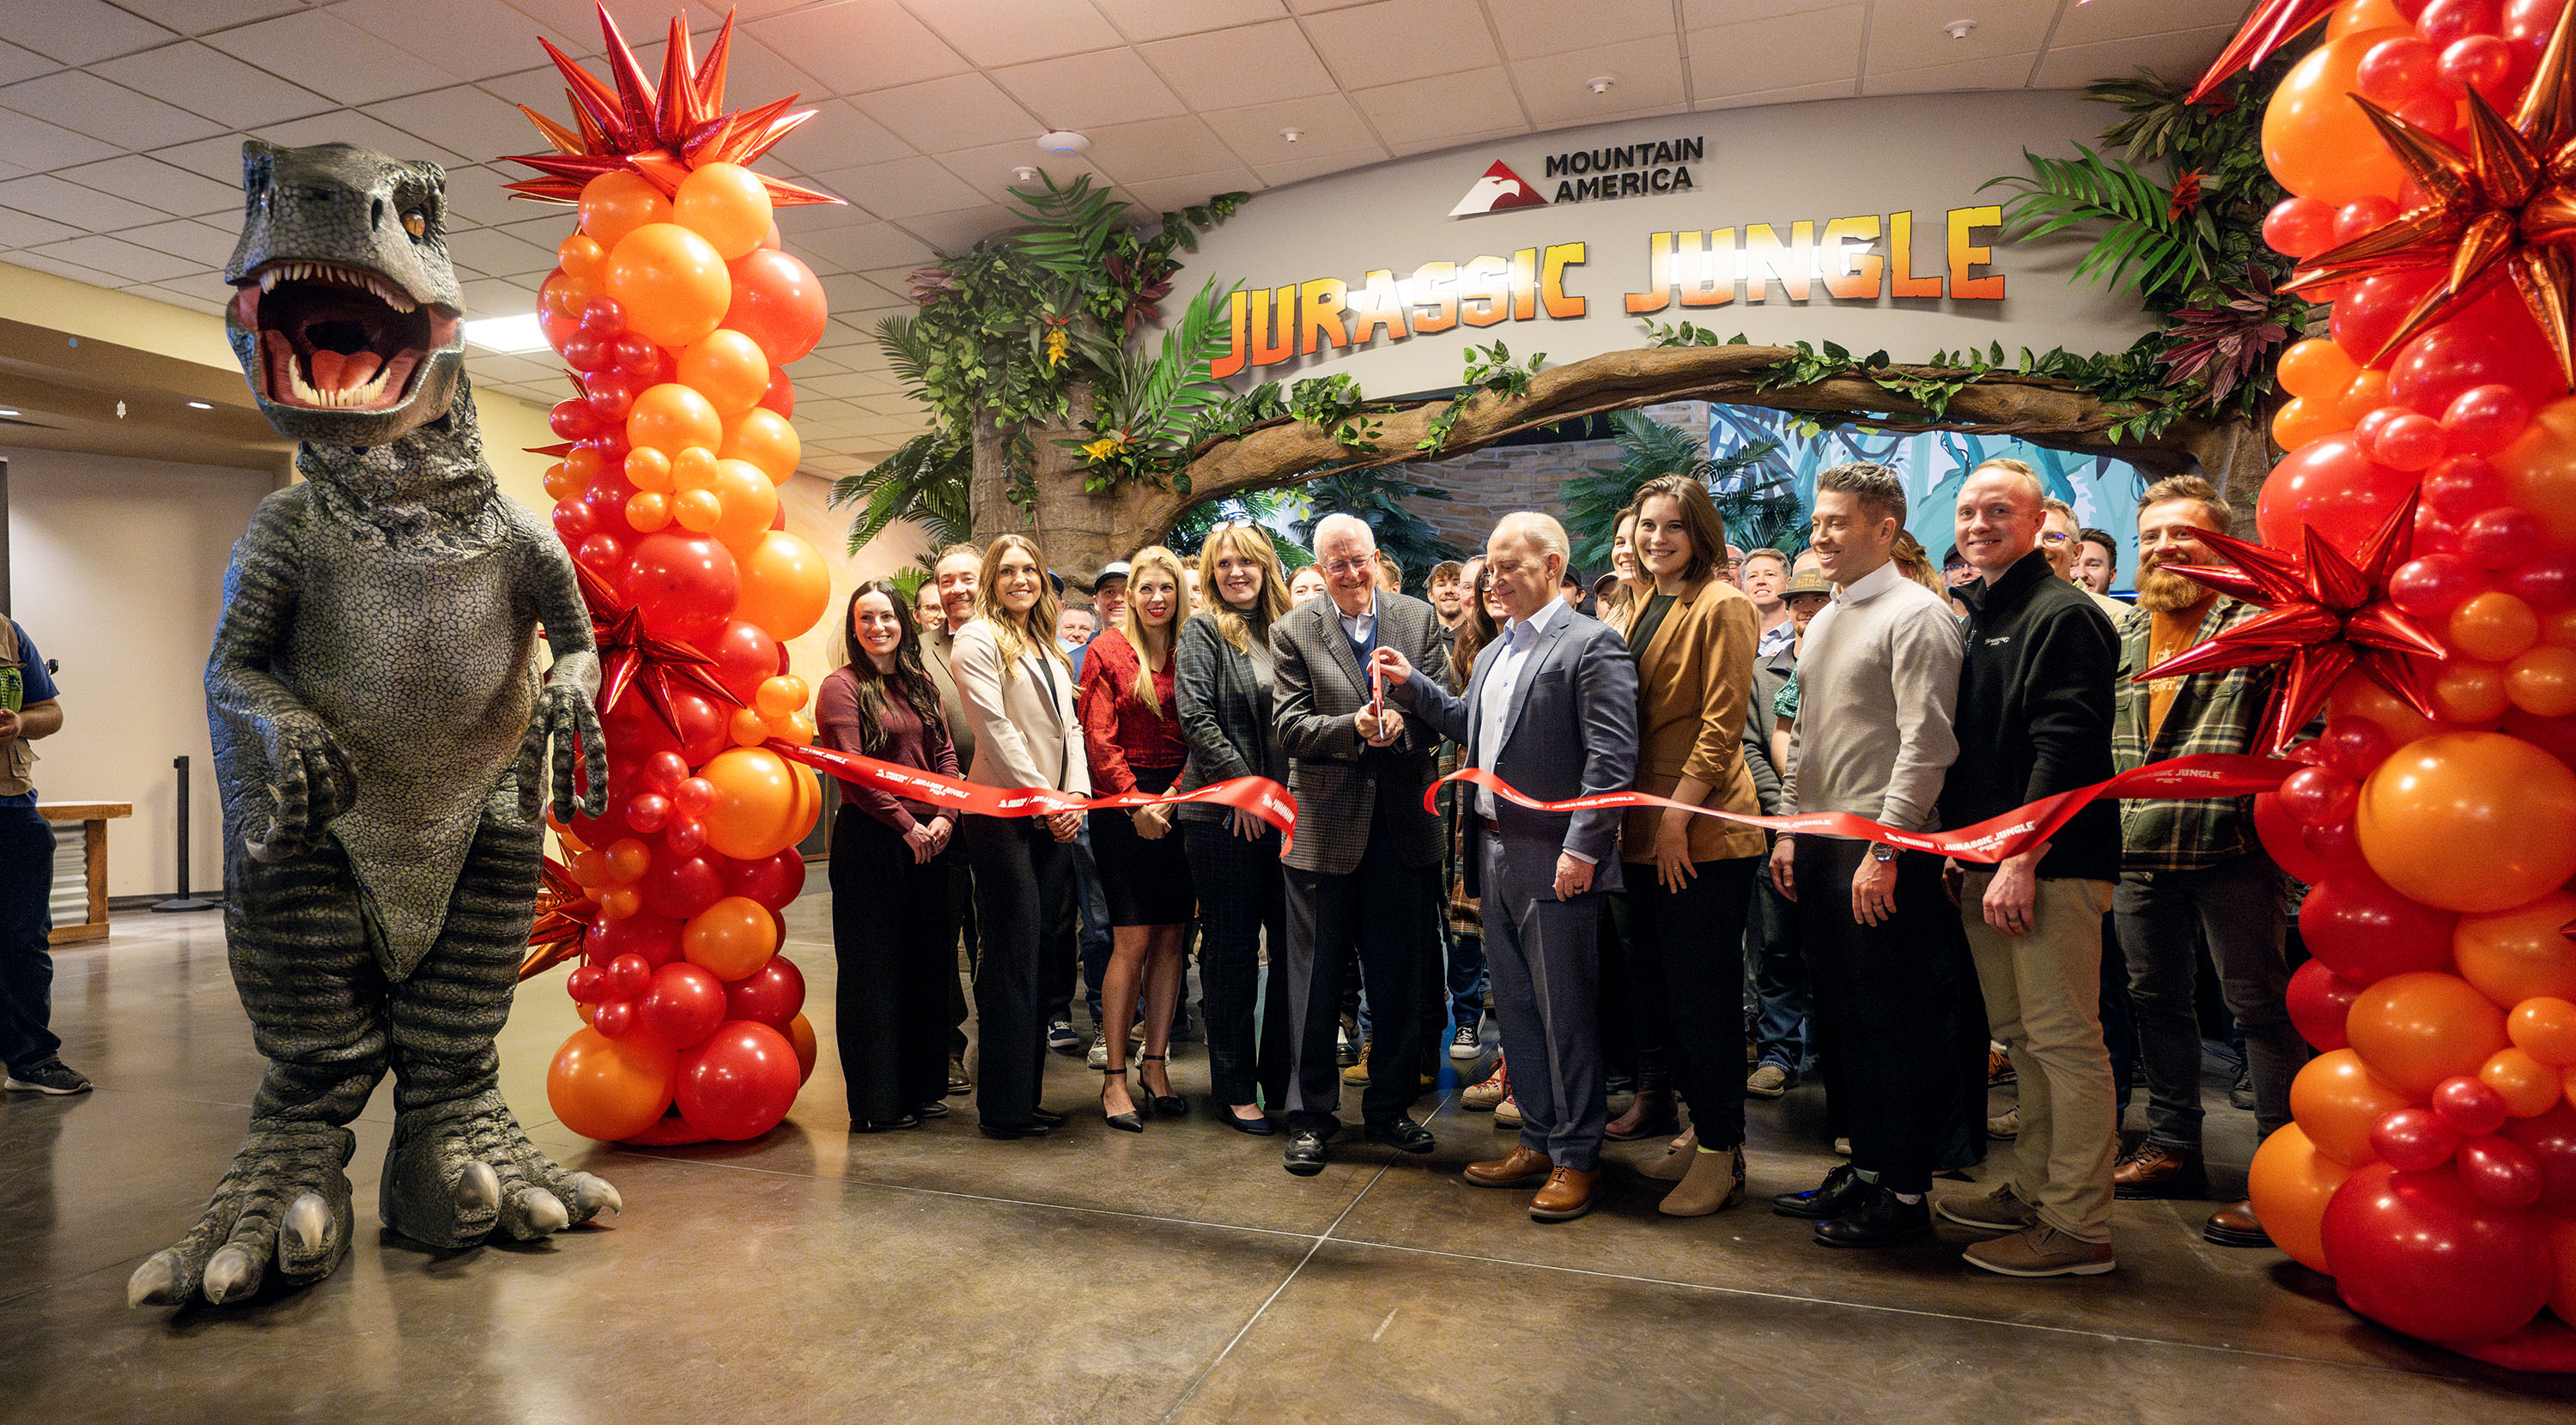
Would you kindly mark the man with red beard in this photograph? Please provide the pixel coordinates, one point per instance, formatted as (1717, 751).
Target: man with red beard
(2193, 871)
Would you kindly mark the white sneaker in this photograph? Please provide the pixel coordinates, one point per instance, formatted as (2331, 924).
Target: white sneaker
(1099, 1056)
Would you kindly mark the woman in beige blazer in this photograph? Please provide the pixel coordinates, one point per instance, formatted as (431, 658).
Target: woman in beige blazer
(1017, 688)
(1690, 878)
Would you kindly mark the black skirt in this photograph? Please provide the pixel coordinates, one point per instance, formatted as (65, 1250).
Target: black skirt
(1146, 882)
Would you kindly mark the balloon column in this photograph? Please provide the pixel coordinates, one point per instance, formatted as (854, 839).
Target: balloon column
(675, 311)
(2430, 150)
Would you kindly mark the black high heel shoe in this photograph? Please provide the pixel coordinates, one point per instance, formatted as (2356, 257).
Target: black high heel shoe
(1129, 1122)
(1166, 1104)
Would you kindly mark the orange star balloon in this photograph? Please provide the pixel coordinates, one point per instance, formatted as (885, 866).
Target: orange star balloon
(660, 133)
(2328, 613)
(654, 667)
(2504, 209)
(564, 915)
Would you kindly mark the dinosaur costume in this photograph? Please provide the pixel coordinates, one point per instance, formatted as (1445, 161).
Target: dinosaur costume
(381, 737)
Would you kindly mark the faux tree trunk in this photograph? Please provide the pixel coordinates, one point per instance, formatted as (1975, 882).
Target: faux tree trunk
(1078, 532)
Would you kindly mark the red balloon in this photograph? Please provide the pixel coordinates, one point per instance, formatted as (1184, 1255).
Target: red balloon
(2369, 312)
(2319, 1001)
(2282, 836)
(2363, 216)
(587, 984)
(2464, 485)
(2332, 843)
(603, 317)
(2500, 1172)
(2299, 227)
(612, 394)
(682, 584)
(683, 1005)
(628, 974)
(680, 886)
(2354, 746)
(2480, 62)
(2499, 538)
(2434, 534)
(2469, 1107)
(770, 995)
(2413, 1140)
(648, 812)
(603, 554)
(2432, 586)
(2548, 583)
(692, 796)
(740, 1082)
(2553, 735)
(614, 1019)
(572, 420)
(686, 835)
(575, 521)
(778, 302)
(745, 657)
(2365, 931)
(586, 353)
(2328, 485)
(2442, 21)
(781, 395)
(2394, 72)
(772, 881)
(2318, 795)
(664, 771)
(653, 938)
(2484, 419)
(2422, 1255)
(2550, 1139)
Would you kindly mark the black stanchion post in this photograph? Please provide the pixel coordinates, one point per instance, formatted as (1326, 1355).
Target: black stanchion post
(183, 900)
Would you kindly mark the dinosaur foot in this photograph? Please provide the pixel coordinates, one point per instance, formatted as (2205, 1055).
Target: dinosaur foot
(459, 1172)
(281, 1212)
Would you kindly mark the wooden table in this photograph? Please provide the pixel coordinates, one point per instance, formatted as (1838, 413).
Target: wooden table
(81, 884)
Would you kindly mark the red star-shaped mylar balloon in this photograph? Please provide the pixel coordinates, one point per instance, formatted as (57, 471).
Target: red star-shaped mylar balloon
(565, 912)
(2328, 612)
(2270, 26)
(630, 657)
(2504, 209)
(661, 134)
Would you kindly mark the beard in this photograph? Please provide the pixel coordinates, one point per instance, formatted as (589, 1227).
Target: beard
(2163, 593)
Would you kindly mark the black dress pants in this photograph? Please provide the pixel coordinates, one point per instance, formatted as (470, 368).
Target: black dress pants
(1390, 910)
(1686, 950)
(1023, 889)
(897, 949)
(1242, 898)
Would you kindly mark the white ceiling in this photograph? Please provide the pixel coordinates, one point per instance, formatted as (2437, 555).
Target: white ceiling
(121, 120)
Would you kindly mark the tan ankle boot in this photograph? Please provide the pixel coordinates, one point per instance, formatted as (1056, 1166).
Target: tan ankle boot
(1714, 1183)
(1673, 1164)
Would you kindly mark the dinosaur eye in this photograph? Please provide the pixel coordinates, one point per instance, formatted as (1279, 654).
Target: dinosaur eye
(415, 222)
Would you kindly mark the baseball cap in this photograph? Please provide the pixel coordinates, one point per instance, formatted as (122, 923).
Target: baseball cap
(1808, 582)
(1114, 569)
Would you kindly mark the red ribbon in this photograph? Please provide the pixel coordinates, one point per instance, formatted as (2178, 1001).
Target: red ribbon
(1260, 796)
(1993, 840)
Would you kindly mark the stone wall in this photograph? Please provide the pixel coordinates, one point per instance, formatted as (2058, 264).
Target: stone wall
(1497, 481)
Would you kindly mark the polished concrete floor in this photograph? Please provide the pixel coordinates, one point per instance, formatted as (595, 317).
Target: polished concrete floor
(1093, 1276)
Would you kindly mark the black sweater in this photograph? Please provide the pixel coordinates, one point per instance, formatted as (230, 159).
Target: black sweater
(2034, 713)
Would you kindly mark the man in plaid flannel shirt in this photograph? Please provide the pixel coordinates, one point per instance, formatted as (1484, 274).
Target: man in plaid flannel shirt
(2193, 872)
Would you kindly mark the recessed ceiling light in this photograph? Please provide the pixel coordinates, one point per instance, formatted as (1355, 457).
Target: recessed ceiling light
(507, 334)
(1063, 141)
(200, 406)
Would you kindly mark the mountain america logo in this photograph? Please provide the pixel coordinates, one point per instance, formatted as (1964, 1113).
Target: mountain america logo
(1498, 190)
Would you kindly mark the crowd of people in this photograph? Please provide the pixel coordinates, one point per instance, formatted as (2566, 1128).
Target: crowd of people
(1683, 963)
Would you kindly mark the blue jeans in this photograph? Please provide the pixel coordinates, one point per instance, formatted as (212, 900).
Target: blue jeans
(2238, 908)
(26, 921)
(1465, 977)
(1782, 1026)
(1094, 905)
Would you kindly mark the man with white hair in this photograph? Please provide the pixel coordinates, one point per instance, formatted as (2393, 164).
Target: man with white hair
(1552, 710)
(1365, 868)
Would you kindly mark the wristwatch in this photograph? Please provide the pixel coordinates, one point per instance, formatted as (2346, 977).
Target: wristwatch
(1881, 851)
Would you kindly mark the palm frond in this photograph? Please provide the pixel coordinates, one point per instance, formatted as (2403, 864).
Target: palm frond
(924, 481)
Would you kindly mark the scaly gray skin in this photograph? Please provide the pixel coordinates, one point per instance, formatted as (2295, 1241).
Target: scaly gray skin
(381, 744)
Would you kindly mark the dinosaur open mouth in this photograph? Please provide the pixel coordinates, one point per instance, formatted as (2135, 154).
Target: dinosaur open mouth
(337, 338)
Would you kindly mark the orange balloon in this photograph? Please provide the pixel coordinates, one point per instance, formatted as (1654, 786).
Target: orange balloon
(2356, 15)
(694, 468)
(2542, 682)
(746, 728)
(754, 805)
(2514, 955)
(2316, 141)
(2560, 629)
(2469, 692)
(620, 903)
(2545, 1029)
(726, 204)
(800, 1037)
(648, 511)
(649, 469)
(2540, 469)
(2302, 419)
(617, 203)
(671, 418)
(2529, 1087)
(565, 294)
(587, 868)
(610, 1088)
(779, 696)
(750, 503)
(698, 511)
(2291, 1183)
(732, 938)
(2336, 1099)
(784, 585)
(796, 727)
(2367, 393)
(582, 256)
(561, 483)
(2494, 627)
(2416, 1029)
(673, 285)
(626, 859)
(764, 438)
(2470, 821)
(2317, 367)
(2356, 694)
(728, 369)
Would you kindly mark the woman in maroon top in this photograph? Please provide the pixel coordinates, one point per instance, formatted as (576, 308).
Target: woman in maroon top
(893, 930)
(1131, 730)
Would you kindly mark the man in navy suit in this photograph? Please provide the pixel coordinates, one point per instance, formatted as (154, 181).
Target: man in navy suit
(1552, 710)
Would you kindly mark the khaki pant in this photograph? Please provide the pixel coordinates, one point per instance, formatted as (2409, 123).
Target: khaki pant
(2043, 1002)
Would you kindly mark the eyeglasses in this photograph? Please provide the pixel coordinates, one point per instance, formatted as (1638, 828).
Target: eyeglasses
(1340, 567)
(2051, 537)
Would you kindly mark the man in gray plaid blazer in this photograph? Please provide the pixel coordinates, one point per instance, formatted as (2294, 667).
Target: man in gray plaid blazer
(1366, 866)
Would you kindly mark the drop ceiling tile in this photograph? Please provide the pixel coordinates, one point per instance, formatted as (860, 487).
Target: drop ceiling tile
(863, 246)
(1254, 64)
(1783, 52)
(1092, 90)
(1445, 105)
(84, 208)
(851, 292)
(130, 261)
(1531, 28)
(17, 64)
(352, 127)
(1326, 125)
(2180, 55)
(27, 230)
(1161, 19)
(1370, 45)
(989, 170)
(84, 103)
(495, 297)
(831, 389)
(467, 38)
(502, 366)
(904, 188)
(956, 232)
(540, 88)
(80, 31)
(1700, 14)
(1444, 142)
(753, 74)
(1021, 31)
(1648, 75)
(205, 244)
(33, 146)
(497, 254)
(1280, 175)
(839, 136)
(1908, 34)
(2002, 71)
(60, 268)
(1313, 7)
(177, 296)
(462, 120)
(1159, 148)
(198, 17)
(205, 80)
(2083, 24)
(1164, 195)
(1795, 94)
(474, 193)
(859, 46)
(328, 55)
(157, 185)
(961, 111)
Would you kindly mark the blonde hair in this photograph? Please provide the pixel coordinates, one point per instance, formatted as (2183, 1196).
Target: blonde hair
(1244, 538)
(1009, 634)
(1914, 563)
(1131, 619)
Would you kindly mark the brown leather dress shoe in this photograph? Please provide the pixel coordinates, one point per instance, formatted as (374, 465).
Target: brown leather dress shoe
(2153, 1170)
(1568, 1195)
(2236, 1227)
(1653, 1112)
(1522, 1167)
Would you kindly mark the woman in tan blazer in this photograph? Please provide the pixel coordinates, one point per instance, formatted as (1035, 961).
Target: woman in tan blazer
(1690, 878)
(1017, 688)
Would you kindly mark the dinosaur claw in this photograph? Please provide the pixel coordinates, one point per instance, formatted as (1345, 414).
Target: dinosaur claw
(478, 1187)
(230, 1274)
(155, 1283)
(308, 1218)
(593, 1193)
(544, 1211)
